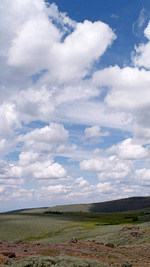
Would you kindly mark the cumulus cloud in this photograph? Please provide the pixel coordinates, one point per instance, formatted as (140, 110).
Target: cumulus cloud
(78, 51)
(145, 174)
(142, 52)
(32, 166)
(54, 133)
(125, 87)
(9, 119)
(128, 92)
(94, 131)
(130, 150)
(5, 147)
(107, 168)
(81, 182)
(36, 40)
(48, 77)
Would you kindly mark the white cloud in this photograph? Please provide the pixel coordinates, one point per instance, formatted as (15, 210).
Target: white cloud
(47, 60)
(94, 131)
(76, 91)
(47, 170)
(32, 166)
(142, 176)
(27, 158)
(34, 40)
(34, 104)
(59, 17)
(80, 49)
(9, 119)
(105, 188)
(5, 147)
(128, 92)
(139, 24)
(37, 166)
(93, 113)
(44, 140)
(125, 85)
(54, 133)
(81, 182)
(107, 168)
(141, 55)
(130, 150)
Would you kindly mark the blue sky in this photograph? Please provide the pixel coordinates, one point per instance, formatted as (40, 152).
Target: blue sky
(75, 101)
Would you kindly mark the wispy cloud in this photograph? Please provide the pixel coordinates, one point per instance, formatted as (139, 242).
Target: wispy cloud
(139, 25)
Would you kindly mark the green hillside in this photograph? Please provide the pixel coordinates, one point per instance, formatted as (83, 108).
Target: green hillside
(121, 205)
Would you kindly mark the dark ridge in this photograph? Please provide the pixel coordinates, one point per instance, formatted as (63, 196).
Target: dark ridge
(121, 205)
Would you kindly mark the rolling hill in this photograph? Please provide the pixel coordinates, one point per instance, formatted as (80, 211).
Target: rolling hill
(121, 205)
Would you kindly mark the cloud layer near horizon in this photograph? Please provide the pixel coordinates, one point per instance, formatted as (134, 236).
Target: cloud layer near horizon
(49, 81)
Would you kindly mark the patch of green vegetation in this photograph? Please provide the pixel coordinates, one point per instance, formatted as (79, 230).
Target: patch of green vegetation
(135, 219)
(53, 228)
(127, 264)
(23, 226)
(53, 212)
(42, 236)
(57, 262)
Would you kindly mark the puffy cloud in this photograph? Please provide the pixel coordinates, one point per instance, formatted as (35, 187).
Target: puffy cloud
(33, 104)
(55, 189)
(77, 91)
(37, 166)
(94, 131)
(80, 49)
(46, 65)
(40, 40)
(141, 55)
(127, 92)
(128, 149)
(32, 44)
(34, 40)
(32, 166)
(106, 168)
(125, 85)
(81, 182)
(142, 133)
(47, 170)
(105, 188)
(5, 147)
(9, 119)
(47, 138)
(27, 158)
(53, 133)
(142, 176)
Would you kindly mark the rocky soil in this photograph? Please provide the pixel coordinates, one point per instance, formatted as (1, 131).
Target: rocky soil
(106, 253)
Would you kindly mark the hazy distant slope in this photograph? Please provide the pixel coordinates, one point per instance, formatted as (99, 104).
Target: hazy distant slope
(30, 210)
(121, 205)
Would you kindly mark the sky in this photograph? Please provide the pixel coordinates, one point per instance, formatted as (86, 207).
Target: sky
(74, 101)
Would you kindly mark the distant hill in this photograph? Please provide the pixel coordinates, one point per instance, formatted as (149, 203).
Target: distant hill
(121, 205)
(30, 210)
